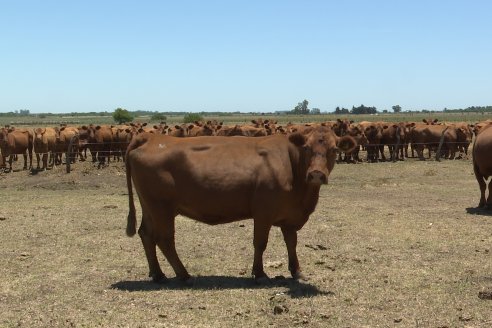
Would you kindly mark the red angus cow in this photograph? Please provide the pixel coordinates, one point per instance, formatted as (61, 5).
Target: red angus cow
(482, 163)
(102, 135)
(45, 144)
(16, 141)
(275, 180)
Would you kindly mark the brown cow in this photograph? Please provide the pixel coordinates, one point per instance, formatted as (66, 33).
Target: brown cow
(64, 136)
(482, 163)
(45, 144)
(102, 136)
(16, 141)
(373, 132)
(274, 179)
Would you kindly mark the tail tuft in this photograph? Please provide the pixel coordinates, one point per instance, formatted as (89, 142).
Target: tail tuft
(131, 224)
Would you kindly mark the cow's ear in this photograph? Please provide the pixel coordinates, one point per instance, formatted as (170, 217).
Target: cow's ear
(191, 126)
(297, 139)
(346, 143)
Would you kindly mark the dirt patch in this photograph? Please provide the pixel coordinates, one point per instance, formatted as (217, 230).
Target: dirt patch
(390, 244)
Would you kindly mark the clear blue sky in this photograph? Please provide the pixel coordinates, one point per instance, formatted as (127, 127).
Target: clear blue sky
(81, 56)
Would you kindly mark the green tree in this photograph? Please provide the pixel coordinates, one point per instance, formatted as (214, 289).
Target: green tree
(301, 108)
(121, 115)
(158, 117)
(396, 108)
(315, 111)
(192, 117)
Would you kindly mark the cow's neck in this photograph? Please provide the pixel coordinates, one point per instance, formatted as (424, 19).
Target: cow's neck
(308, 193)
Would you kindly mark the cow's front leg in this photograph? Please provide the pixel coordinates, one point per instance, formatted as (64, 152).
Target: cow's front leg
(290, 238)
(260, 241)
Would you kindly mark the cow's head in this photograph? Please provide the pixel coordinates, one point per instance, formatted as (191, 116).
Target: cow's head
(38, 135)
(320, 148)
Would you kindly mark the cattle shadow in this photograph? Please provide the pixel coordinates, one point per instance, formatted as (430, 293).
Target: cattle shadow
(296, 289)
(479, 211)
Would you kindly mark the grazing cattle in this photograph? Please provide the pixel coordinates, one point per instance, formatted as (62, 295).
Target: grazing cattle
(84, 143)
(373, 132)
(16, 141)
(45, 144)
(229, 131)
(102, 136)
(464, 136)
(121, 140)
(200, 129)
(478, 126)
(482, 163)
(361, 141)
(393, 136)
(430, 136)
(274, 180)
(179, 131)
(64, 135)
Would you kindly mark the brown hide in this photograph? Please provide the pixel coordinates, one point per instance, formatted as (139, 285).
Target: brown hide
(44, 144)
(430, 135)
(121, 140)
(102, 137)
(482, 164)
(16, 141)
(200, 130)
(374, 133)
(64, 135)
(275, 180)
(179, 131)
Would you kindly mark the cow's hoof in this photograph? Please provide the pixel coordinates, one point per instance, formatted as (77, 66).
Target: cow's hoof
(262, 280)
(190, 281)
(299, 276)
(159, 278)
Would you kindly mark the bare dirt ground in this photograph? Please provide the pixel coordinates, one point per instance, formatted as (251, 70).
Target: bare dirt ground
(390, 245)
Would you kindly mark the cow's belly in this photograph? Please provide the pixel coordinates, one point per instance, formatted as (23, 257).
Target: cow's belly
(214, 207)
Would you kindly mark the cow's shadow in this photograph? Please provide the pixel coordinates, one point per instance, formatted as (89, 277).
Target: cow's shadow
(296, 289)
(479, 211)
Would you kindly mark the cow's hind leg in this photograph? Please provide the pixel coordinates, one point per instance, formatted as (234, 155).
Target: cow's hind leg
(482, 184)
(149, 245)
(489, 198)
(163, 231)
(290, 238)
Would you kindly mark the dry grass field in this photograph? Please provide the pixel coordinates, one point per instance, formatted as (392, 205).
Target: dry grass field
(390, 245)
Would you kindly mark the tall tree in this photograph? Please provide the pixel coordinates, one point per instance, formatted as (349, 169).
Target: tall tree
(121, 115)
(396, 108)
(301, 108)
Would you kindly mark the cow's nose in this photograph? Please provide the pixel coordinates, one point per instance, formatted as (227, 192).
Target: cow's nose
(317, 177)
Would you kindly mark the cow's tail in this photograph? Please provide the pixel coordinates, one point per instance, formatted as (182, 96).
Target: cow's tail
(131, 224)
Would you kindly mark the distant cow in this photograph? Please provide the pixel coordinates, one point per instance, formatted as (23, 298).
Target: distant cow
(102, 137)
(16, 141)
(275, 180)
(482, 163)
(64, 135)
(45, 145)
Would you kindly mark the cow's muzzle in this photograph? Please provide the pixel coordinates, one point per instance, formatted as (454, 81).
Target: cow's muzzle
(317, 177)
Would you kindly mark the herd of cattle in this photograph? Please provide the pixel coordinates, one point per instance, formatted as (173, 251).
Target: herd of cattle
(106, 141)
